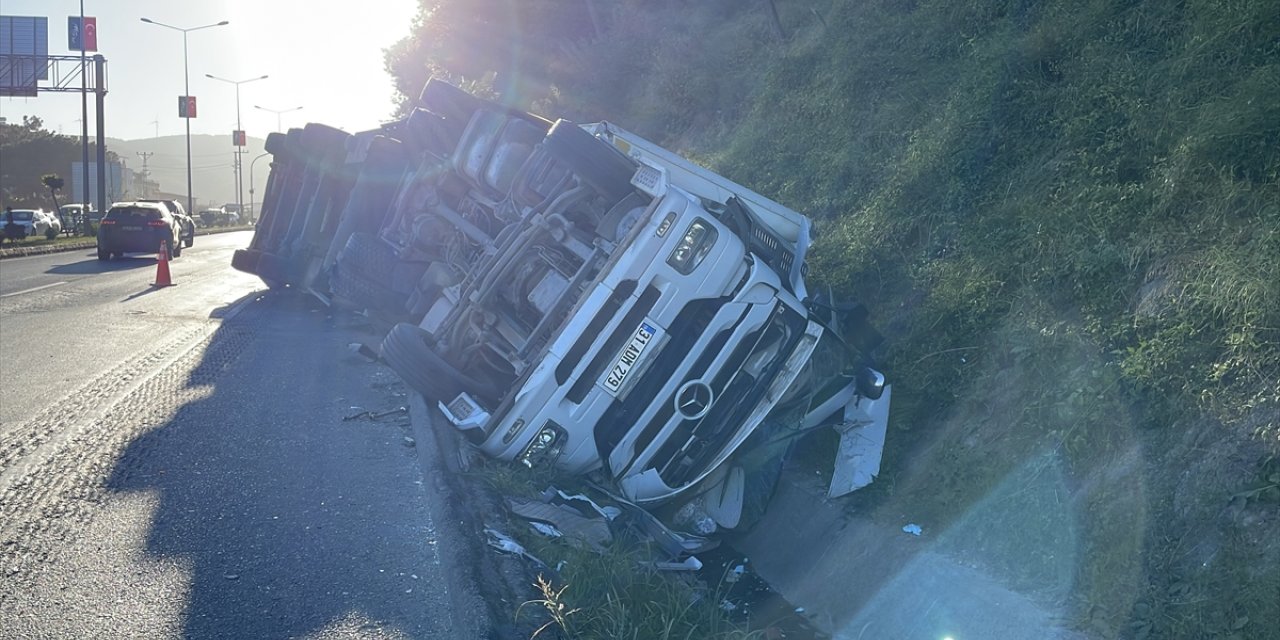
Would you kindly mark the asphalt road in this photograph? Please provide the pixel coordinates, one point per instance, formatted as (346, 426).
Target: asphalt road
(175, 463)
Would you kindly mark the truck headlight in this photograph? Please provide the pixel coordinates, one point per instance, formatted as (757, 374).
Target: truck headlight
(545, 447)
(693, 246)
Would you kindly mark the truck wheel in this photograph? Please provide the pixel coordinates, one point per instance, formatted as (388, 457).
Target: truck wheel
(444, 99)
(405, 348)
(603, 168)
(191, 237)
(103, 255)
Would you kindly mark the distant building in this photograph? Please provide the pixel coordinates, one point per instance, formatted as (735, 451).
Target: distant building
(119, 182)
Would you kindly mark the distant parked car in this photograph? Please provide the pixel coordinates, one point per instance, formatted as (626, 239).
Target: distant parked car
(138, 227)
(218, 217)
(185, 222)
(73, 216)
(38, 222)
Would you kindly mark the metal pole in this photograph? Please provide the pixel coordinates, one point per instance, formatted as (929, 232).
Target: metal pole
(100, 76)
(84, 127)
(239, 151)
(239, 168)
(186, 91)
(186, 84)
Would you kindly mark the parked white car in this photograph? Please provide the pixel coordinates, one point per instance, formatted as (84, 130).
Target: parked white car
(38, 222)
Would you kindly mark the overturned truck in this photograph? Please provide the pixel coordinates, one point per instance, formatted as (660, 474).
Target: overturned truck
(574, 295)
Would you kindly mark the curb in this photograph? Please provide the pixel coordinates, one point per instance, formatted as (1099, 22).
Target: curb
(38, 250)
(500, 583)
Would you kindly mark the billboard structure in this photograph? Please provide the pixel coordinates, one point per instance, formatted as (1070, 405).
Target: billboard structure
(25, 64)
(24, 54)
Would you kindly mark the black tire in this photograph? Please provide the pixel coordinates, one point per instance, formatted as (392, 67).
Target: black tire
(275, 144)
(406, 350)
(50, 234)
(603, 168)
(443, 99)
(103, 255)
(367, 255)
(191, 237)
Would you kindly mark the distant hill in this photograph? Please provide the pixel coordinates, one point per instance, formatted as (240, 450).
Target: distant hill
(213, 181)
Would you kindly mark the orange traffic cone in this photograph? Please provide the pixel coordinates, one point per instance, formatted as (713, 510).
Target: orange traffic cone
(162, 266)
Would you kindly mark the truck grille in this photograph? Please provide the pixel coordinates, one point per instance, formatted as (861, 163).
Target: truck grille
(621, 416)
(694, 443)
(594, 328)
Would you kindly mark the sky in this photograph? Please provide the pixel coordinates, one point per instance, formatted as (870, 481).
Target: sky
(323, 55)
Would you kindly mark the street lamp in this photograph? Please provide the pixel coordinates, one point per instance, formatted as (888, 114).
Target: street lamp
(239, 152)
(277, 112)
(186, 87)
(251, 165)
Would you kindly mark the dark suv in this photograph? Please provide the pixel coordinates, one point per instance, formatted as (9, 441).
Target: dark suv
(138, 227)
(186, 224)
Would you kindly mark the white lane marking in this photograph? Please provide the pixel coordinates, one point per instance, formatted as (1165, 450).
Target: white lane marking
(32, 289)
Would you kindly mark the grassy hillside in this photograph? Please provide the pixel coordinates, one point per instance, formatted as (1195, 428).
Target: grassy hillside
(1066, 217)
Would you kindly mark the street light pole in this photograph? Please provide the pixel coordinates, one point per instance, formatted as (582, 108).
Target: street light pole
(186, 84)
(277, 112)
(239, 151)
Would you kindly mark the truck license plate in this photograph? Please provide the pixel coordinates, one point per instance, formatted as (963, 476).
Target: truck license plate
(627, 359)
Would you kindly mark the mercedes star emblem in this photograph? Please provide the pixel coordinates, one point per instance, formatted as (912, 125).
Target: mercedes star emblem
(693, 400)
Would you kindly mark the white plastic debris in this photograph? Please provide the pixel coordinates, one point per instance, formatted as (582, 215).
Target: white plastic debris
(913, 529)
(688, 564)
(546, 530)
(503, 542)
(608, 513)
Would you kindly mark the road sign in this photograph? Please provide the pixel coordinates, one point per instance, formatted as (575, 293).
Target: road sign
(186, 106)
(24, 47)
(237, 138)
(85, 35)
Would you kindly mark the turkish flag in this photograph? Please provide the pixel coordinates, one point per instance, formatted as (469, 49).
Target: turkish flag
(186, 106)
(82, 36)
(90, 34)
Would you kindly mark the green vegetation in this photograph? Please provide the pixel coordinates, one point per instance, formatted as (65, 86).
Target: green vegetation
(611, 594)
(30, 155)
(1066, 218)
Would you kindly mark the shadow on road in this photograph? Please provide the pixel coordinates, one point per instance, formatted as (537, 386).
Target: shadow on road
(151, 289)
(291, 521)
(102, 266)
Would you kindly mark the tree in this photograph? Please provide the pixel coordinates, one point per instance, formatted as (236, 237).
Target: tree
(508, 46)
(53, 183)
